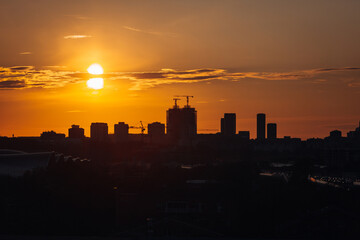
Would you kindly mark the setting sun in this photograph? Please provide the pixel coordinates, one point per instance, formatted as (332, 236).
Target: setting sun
(95, 69)
(95, 83)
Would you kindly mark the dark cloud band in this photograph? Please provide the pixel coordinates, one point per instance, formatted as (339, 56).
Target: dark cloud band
(18, 77)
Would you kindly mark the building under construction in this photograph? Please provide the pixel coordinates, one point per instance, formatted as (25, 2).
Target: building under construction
(181, 123)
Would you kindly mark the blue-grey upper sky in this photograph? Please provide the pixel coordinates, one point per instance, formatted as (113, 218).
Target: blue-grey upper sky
(136, 35)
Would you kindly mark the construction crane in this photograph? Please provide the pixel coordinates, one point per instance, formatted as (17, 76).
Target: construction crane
(175, 100)
(185, 96)
(141, 127)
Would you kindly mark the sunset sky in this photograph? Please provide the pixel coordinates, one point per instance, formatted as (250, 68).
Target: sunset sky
(296, 61)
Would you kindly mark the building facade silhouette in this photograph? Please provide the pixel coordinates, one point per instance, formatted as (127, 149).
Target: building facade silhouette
(354, 134)
(335, 134)
(260, 126)
(228, 124)
(244, 135)
(271, 131)
(99, 131)
(121, 131)
(181, 123)
(52, 136)
(76, 132)
(156, 129)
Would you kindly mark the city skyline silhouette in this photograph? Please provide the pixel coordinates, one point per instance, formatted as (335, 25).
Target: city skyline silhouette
(264, 130)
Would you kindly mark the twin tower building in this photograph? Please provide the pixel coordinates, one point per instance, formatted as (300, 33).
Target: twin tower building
(228, 127)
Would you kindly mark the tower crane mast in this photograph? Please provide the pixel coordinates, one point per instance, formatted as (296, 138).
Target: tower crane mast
(176, 100)
(184, 96)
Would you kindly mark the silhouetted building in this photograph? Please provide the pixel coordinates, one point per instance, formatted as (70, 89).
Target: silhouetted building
(99, 131)
(156, 129)
(76, 132)
(244, 135)
(173, 122)
(121, 131)
(189, 121)
(354, 134)
(335, 134)
(271, 131)
(51, 135)
(221, 125)
(260, 129)
(181, 123)
(228, 124)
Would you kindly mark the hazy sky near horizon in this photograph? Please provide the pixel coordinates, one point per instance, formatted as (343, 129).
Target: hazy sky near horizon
(297, 61)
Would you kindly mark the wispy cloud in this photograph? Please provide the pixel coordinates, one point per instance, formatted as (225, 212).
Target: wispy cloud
(25, 53)
(77, 36)
(169, 76)
(79, 17)
(55, 67)
(18, 77)
(294, 75)
(149, 32)
(336, 69)
(12, 84)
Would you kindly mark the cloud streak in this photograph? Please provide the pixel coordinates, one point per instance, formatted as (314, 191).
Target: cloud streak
(148, 32)
(77, 36)
(78, 17)
(20, 77)
(169, 76)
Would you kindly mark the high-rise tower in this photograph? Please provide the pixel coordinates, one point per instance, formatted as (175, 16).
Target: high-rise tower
(271, 131)
(181, 123)
(76, 132)
(228, 124)
(99, 131)
(121, 131)
(260, 129)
